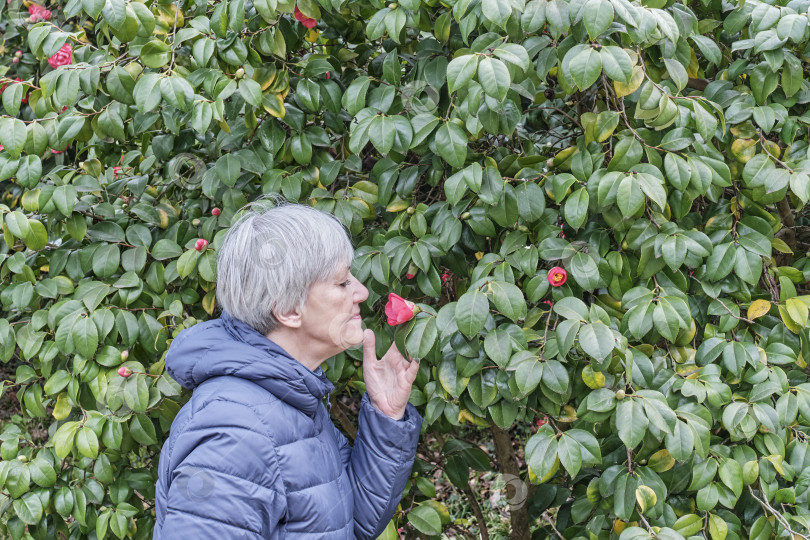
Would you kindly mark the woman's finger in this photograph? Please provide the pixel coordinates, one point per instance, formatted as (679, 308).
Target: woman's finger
(369, 346)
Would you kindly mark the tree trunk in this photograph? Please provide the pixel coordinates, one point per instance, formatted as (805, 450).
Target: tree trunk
(508, 464)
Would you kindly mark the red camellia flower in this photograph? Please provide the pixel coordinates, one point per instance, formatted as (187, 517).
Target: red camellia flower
(398, 310)
(308, 22)
(557, 276)
(38, 13)
(445, 277)
(124, 371)
(201, 244)
(62, 57)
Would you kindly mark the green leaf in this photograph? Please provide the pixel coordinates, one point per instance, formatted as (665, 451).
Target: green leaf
(87, 442)
(496, 11)
(617, 63)
(541, 453)
(422, 337)
(596, 340)
(631, 422)
(472, 311)
(85, 337)
(508, 299)
(597, 16)
(494, 76)
(425, 519)
(576, 208)
(570, 455)
(29, 508)
(12, 135)
(585, 68)
(63, 439)
(451, 142)
(381, 133)
(354, 99)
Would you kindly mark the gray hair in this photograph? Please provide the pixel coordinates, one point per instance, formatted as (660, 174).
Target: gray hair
(270, 258)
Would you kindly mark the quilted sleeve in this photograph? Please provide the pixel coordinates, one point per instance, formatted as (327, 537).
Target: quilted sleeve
(379, 465)
(227, 482)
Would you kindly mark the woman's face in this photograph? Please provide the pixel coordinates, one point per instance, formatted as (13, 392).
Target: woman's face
(330, 318)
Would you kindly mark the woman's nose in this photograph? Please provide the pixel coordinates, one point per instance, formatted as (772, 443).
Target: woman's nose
(361, 293)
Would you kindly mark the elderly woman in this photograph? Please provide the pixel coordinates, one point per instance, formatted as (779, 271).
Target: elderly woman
(254, 454)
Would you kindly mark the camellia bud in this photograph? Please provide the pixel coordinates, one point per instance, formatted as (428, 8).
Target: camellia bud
(240, 73)
(620, 395)
(124, 371)
(18, 54)
(215, 212)
(201, 244)
(15, 60)
(124, 355)
(195, 222)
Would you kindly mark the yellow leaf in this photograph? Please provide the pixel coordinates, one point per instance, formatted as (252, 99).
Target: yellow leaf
(718, 528)
(743, 149)
(274, 104)
(661, 461)
(797, 310)
(569, 414)
(209, 302)
(792, 326)
(62, 408)
(593, 379)
(758, 308)
(646, 498)
(779, 245)
(625, 89)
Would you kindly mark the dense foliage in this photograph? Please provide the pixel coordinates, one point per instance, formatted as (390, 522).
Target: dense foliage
(654, 154)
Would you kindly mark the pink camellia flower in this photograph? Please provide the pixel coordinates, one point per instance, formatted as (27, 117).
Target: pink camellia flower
(398, 310)
(62, 57)
(124, 371)
(308, 22)
(557, 276)
(116, 171)
(39, 13)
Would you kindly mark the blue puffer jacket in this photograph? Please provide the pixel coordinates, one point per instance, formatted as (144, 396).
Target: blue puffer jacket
(254, 454)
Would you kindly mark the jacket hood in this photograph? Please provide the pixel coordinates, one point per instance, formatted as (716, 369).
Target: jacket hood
(228, 346)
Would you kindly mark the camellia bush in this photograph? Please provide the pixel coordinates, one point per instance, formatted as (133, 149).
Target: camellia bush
(598, 207)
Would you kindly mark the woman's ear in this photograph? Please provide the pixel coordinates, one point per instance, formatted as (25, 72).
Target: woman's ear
(291, 319)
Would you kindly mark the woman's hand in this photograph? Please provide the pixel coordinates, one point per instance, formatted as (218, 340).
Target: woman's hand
(389, 379)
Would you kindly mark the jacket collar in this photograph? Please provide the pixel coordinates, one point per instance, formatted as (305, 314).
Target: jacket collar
(228, 346)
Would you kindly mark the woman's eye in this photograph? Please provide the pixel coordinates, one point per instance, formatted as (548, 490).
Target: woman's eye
(346, 283)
